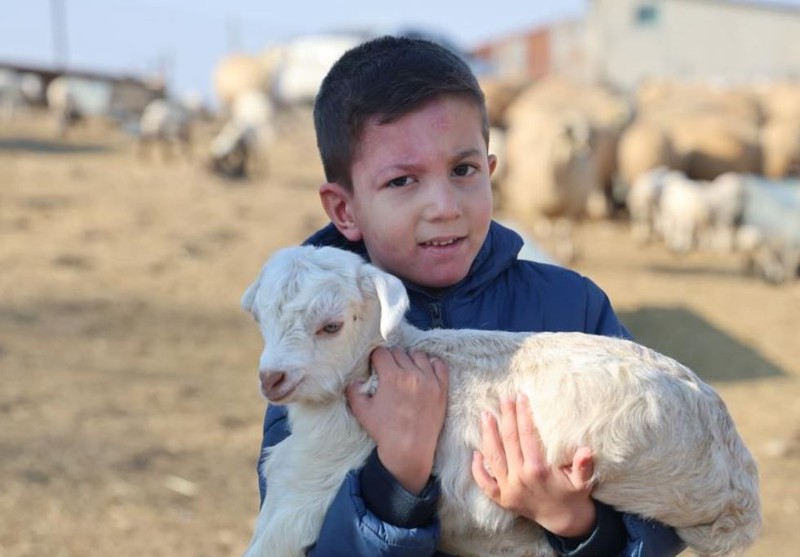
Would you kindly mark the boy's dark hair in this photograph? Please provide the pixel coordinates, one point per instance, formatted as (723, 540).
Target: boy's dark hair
(387, 78)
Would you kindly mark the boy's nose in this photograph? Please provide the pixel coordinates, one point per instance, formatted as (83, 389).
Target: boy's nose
(444, 201)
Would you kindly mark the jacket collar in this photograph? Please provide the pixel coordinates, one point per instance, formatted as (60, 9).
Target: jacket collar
(498, 252)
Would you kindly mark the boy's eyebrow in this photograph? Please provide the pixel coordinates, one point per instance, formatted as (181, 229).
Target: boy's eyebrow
(468, 153)
(406, 167)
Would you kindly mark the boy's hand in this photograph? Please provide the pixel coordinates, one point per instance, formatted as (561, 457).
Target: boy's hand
(522, 481)
(406, 414)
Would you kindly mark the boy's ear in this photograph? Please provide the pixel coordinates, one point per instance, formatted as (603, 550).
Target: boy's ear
(338, 205)
(492, 164)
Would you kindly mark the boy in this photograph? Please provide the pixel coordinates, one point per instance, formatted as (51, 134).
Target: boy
(402, 131)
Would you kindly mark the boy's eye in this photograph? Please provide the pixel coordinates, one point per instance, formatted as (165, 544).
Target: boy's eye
(400, 182)
(464, 170)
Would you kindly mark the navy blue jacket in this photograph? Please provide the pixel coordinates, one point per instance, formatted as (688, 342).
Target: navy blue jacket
(372, 515)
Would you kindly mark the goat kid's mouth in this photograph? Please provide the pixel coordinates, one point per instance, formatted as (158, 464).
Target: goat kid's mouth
(280, 390)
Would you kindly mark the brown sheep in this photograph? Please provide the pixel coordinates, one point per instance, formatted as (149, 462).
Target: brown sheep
(708, 145)
(780, 141)
(644, 145)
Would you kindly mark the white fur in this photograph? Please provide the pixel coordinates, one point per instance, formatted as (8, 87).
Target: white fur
(697, 213)
(167, 123)
(250, 126)
(664, 445)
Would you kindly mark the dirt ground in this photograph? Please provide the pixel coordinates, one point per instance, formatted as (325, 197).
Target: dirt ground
(130, 419)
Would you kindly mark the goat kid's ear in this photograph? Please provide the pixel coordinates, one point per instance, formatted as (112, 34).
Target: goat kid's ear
(248, 301)
(392, 297)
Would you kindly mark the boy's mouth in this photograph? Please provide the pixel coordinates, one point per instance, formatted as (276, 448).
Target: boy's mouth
(440, 242)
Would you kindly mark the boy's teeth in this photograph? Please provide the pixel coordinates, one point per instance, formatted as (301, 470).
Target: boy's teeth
(446, 243)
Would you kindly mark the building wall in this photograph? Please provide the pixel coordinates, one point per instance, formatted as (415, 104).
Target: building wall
(631, 40)
(569, 55)
(522, 55)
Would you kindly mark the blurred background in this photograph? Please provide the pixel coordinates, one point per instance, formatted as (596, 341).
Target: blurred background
(153, 154)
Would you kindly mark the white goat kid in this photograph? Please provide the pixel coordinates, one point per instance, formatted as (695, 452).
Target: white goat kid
(663, 442)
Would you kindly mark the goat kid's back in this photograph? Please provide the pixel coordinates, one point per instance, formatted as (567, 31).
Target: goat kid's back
(664, 444)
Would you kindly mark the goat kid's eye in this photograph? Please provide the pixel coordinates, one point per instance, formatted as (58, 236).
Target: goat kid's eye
(331, 328)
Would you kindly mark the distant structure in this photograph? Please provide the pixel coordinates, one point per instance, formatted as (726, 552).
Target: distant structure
(118, 96)
(624, 42)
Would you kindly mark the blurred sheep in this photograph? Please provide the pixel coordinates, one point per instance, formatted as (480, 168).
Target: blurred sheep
(780, 142)
(643, 201)
(683, 214)
(12, 98)
(63, 104)
(238, 73)
(769, 232)
(644, 146)
(549, 175)
(606, 114)
(167, 124)
(240, 148)
(700, 214)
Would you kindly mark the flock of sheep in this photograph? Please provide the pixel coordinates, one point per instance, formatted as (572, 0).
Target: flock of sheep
(698, 166)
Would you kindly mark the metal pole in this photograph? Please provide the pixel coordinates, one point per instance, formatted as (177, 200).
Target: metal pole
(234, 34)
(58, 17)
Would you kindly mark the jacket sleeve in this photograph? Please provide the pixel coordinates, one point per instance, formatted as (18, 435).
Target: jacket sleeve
(276, 429)
(600, 317)
(399, 525)
(351, 529)
(621, 535)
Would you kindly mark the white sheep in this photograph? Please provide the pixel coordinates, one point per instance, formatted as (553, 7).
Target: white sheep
(663, 442)
(683, 214)
(167, 123)
(243, 141)
(12, 99)
(550, 173)
(63, 103)
(643, 200)
(699, 213)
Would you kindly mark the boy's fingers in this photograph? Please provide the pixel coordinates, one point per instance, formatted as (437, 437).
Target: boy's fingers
(510, 436)
(381, 357)
(492, 446)
(441, 372)
(484, 480)
(531, 443)
(422, 361)
(355, 398)
(582, 467)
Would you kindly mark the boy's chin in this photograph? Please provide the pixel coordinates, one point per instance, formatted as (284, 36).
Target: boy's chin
(441, 280)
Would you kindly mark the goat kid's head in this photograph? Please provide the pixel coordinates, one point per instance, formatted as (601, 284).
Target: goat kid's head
(321, 312)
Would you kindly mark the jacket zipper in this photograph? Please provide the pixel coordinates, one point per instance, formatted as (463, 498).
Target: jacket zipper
(436, 315)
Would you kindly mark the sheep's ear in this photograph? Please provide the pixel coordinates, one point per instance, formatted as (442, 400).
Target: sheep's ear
(392, 297)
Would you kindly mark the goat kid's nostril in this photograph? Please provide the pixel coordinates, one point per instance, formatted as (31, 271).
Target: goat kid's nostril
(271, 379)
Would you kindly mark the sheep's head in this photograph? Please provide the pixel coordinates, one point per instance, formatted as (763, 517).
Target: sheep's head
(321, 312)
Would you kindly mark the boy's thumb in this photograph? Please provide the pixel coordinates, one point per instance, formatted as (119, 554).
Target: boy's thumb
(355, 394)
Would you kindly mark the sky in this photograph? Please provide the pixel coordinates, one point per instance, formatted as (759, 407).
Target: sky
(188, 37)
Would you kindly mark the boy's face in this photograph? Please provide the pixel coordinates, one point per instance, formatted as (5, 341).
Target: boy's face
(422, 198)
